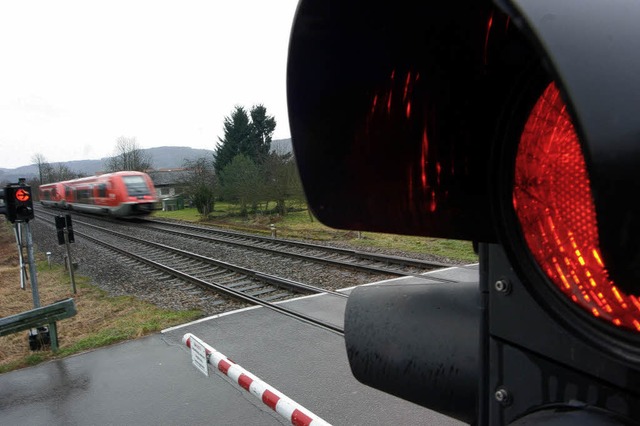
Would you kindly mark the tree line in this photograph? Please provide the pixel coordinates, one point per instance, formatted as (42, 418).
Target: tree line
(243, 169)
(127, 156)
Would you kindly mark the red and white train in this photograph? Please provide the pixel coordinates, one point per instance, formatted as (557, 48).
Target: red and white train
(119, 194)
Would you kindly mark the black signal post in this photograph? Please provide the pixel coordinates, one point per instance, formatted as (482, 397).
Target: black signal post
(64, 230)
(18, 208)
(510, 123)
(41, 321)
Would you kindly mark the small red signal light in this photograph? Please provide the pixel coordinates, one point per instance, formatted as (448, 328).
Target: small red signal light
(22, 195)
(554, 204)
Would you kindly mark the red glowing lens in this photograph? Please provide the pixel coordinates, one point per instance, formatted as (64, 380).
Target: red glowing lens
(553, 201)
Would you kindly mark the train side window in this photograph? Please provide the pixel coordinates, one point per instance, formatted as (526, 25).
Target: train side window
(102, 190)
(136, 186)
(85, 195)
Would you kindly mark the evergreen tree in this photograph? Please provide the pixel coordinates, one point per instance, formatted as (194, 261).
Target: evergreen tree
(262, 129)
(245, 133)
(237, 136)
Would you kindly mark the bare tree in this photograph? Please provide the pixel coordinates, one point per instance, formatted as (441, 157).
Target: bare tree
(128, 156)
(200, 182)
(282, 180)
(62, 172)
(242, 183)
(40, 161)
(48, 172)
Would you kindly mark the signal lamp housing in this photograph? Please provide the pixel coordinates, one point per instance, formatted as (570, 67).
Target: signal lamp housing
(426, 118)
(19, 203)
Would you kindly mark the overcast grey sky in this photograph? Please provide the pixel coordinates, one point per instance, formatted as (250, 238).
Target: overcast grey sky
(76, 75)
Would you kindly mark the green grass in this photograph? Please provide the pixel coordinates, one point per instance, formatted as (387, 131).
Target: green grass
(101, 319)
(190, 215)
(298, 224)
(104, 320)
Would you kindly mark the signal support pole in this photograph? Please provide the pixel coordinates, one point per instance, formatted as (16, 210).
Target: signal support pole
(65, 236)
(69, 261)
(32, 266)
(17, 230)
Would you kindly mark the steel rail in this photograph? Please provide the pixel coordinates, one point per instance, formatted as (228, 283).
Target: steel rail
(238, 295)
(398, 260)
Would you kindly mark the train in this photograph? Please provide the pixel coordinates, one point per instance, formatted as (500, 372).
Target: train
(122, 194)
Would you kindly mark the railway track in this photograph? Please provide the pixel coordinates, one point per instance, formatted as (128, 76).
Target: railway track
(352, 259)
(174, 250)
(243, 284)
(373, 263)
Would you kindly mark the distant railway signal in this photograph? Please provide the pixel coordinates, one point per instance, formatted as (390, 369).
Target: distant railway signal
(64, 231)
(510, 123)
(64, 226)
(18, 203)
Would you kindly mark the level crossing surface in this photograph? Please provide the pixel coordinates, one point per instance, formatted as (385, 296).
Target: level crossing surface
(151, 381)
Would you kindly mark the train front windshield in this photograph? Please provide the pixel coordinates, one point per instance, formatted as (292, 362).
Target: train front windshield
(136, 186)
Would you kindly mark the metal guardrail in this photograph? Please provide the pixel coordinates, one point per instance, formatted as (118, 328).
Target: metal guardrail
(46, 315)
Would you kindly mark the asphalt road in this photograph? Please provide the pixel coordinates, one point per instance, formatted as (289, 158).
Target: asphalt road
(151, 381)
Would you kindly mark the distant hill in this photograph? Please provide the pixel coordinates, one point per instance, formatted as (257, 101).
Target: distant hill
(171, 157)
(166, 157)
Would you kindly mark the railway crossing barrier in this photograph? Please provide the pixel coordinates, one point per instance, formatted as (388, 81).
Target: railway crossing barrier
(202, 353)
(46, 315)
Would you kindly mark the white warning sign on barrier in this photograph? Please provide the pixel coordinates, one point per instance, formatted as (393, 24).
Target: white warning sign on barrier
(199, 355)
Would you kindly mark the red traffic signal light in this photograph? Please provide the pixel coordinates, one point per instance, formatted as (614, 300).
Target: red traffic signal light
(553, 200)
(22, 195)
(19, 204)
(510, 123)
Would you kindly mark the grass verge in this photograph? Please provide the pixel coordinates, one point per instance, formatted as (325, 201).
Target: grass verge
(101, 319)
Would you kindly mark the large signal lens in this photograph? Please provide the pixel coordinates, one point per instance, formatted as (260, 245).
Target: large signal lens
(554, 205)
(22, 195)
